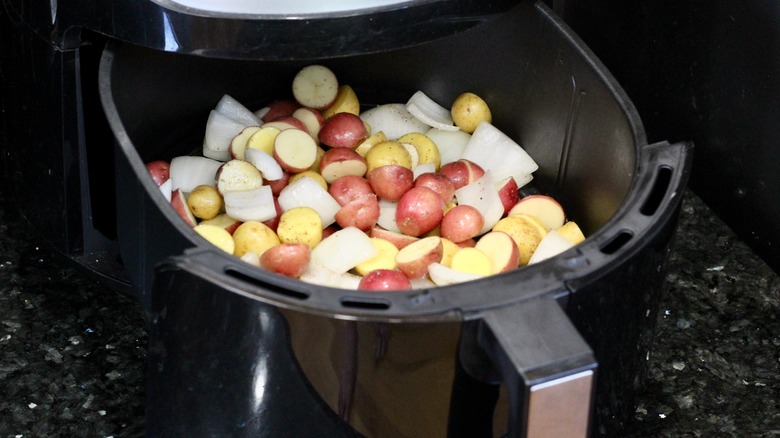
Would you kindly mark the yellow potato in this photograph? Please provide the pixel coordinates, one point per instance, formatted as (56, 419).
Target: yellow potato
(253, 236)
(300, 225)
(427, 150)
(386, 153)
(316, 166)
(368, 143)
(346, 102)
(468, 111)
(385, 258)
(263, 139)
(310, 174)
(571, 231)
(449, 250)
(471, 261)
(525, 232)
(205, 202)
(217, 236)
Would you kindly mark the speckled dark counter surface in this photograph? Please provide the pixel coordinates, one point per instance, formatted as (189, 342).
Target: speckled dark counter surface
(72, 354)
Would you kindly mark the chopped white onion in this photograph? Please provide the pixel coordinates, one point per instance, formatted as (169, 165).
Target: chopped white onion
(233, 109)
(250, 205)
(387, 215)
(423, 168)
(482, 194)
(319, 275)
(188, 172)
(262, 112)
(265, 163)
(165, 189)
(343, 250)
(495, 151)
(421, 283)
(443, 276)
(429, 112)
(220, 130)
(305, 192)
(450, 143)
(393, 119)
(551, 245)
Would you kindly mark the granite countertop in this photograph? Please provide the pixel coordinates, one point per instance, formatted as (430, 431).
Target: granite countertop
(72, 353)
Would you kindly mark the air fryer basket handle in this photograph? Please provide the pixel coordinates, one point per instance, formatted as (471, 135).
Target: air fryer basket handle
(548, 369)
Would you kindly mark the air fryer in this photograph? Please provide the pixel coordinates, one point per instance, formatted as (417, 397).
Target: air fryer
(554, 349)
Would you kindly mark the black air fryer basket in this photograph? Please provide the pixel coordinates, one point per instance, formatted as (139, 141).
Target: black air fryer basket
(554, 349)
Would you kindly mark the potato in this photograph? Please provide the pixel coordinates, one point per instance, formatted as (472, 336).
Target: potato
(501, 249)
(461, 223)
(309, 174)
(349, 187)
(391, 182)
(449, 248)
(468, 111)
(571, 231)
(280, 108)
(413, 259)
(419, 211)
(385, 259)
(253, 236)
(367, 144)
(361, 213)
(346, 102)
(159, 170)
(300, 225)
(526, 233)
(386, 153)
(338, 162)
(385, 279)
(217, 236)
(205, 202)
(290, 259)
(343, 130)
(427, 150)
(462, 172)
(439, 183)
(315, 86)
(471, 261)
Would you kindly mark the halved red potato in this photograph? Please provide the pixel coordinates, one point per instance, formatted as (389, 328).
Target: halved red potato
(399, 240)
(361, 213)
(462, 172)
(413, 259)
(289, 259)
(391, 182)
(385, 279)
(315, 86)
(419, 210)
(179, 204)
(338, 162)
(542, 207)
(295, 150)
(349, 187)
(501, 249)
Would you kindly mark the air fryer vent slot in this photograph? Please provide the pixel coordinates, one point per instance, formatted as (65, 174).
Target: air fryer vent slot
(617, 242)
(657, 194)
(362, 303)
(298, 295)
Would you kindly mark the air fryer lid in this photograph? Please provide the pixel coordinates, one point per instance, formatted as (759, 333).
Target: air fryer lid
(245, 29)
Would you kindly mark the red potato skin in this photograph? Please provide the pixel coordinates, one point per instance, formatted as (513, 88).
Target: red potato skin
(419, 210)
(290, 259)
(343, 130)
(397, 239)
(462, 172)
(159, 170)
(340, 155)
(391, 182)
(461, 223)
(384, 280)
(349, 187)
(361, 213)
(280, 108)
(468, 243)
(508, 193)
(279, 184)
(179, 203)
(439, 183)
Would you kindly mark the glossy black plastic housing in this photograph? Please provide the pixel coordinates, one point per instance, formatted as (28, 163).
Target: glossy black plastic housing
(169, 27)
(546, 90)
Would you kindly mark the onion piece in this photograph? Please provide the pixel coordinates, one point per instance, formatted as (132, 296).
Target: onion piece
(165, 189)
(250, 205)
(234, 110)
(343, 250)
(450, 143)
(265, 163)
(220, 130)
(443, 276)
(393, 119)
(262, 112)
(429, 112)
(423, 168)
(387, 215)
(306, 192)
(188, 172)
(319, 275)
(551, 245)
(495, 151)
(482, 194)
(421, 283)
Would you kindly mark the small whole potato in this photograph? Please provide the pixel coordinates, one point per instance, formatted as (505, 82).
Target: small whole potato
(386, 153)
(300, 225)
(255, 237)
(205, 202)
(469, 110)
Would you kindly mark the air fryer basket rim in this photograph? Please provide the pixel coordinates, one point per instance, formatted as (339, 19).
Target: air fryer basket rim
(456, 301)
